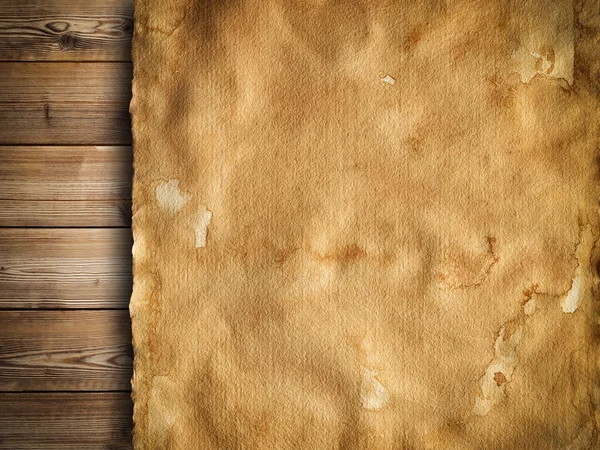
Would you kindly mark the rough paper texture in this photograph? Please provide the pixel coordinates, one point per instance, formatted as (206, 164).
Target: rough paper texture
(366, 224)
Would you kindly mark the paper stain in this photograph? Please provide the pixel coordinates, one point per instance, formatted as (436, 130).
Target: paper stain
(169, 197)
(499, 371)
(529, 307)
(580, 285)
(547, 50)
(454, 275)
(200, 226)
(546, 62)
(338, 254)
(386, 78)
(570, 301)
(374, 396)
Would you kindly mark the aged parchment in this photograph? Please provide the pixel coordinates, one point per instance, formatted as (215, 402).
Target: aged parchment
(366, 224)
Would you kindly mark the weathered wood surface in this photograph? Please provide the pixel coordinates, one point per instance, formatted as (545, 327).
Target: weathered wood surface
(65, 268)
(65, 173)
(65, 351)
(65, 103)
(65, 421)
(65, 186)
(51, 360)
(66, 30)
(64, 213)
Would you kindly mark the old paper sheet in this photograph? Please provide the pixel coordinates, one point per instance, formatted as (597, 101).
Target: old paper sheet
(366, 224)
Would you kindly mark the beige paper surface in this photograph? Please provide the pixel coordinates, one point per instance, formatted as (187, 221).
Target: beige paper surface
(366, 224)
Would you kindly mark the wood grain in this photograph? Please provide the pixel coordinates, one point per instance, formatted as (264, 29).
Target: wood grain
(64, 213)
(65, 186)
(65, 103)
(65, 421)
(66, 30)
(65, 351)
(65, 173)
(65, 268)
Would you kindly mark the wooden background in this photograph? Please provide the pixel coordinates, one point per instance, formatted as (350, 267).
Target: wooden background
(65, 242)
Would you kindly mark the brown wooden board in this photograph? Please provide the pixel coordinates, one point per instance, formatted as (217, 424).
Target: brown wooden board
(65, 103)
(66, 30)
(65, 421)
(83, 186)
(64, 162)
(65, 213)
(65, 351)
(65, 173)
(65, 268)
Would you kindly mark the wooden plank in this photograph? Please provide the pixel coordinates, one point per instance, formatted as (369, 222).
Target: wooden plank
(64, 421)
(98, 83)
(65, 268)
(65, 103)
(65, 173)
(67, 123)
(65, 186)
(77, 213)
(66, 30)
(65, 351)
